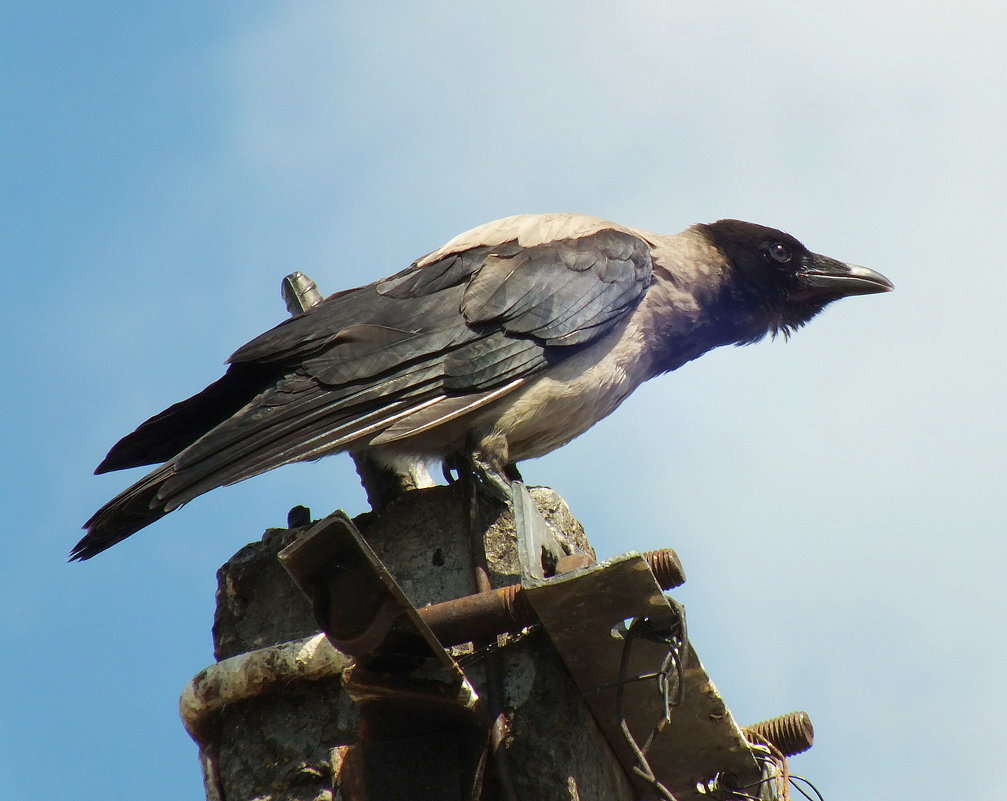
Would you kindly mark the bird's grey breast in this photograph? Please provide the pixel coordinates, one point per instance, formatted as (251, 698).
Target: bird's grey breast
(568, 398)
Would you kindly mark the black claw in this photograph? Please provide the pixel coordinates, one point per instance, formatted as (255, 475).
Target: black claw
(489, 479)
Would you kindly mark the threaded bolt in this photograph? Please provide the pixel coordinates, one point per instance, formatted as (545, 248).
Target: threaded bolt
(667, 568)
(791, 734)
(516, 605)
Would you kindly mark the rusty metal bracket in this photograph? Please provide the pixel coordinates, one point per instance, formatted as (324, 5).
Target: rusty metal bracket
(583, 615)
(408, 688)
(357, 602)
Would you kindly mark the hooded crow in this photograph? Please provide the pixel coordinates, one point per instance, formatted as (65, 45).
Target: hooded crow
(502, 345)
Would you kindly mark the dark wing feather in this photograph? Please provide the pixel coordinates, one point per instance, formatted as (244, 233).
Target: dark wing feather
(490, 361)
(416, 298)
(554, 293)
(418, 281)
(168, 433)
(377, 364)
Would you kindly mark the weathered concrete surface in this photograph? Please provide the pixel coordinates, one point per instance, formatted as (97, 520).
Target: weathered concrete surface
(257, 603)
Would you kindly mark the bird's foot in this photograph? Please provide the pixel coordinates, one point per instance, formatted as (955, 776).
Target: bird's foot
(484, 473)
(489, 479)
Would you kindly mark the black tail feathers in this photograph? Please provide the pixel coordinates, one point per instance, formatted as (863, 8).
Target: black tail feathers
(125, 514)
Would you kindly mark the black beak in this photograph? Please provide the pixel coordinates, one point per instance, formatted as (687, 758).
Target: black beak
(825, 277)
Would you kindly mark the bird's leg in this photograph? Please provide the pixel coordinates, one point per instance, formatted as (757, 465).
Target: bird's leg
(537, 546)
(487, 458)
(490, 480)
(456, 467)
(383, 484)
(491, 473)
(482, 471)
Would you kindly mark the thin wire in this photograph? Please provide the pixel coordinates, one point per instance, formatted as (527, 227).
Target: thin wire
(502, 641)
(794, 781)
(642, 768)
(758, 783)
(785, 777)
(783, 793)
(608, 685)
(675, 638)
(775, 757)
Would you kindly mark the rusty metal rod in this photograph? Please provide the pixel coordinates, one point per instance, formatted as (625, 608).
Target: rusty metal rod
(480, 616)
(506, 609)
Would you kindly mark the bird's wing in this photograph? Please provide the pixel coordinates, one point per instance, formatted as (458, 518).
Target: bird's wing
(438, 341)
(424, 347)
(445, 337)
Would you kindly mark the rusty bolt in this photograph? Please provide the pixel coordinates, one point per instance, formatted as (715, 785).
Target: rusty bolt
(791, 734)
(667, 568)
(665, 564)
(479, 616)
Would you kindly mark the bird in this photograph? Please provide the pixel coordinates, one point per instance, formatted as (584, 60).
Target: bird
(502, 345)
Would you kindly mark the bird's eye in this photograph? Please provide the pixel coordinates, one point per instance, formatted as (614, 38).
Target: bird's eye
(779, 252)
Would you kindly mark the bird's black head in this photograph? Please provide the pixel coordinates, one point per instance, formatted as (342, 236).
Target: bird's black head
(780, 284)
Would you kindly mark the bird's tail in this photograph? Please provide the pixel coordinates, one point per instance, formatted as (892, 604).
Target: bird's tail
(125, 514)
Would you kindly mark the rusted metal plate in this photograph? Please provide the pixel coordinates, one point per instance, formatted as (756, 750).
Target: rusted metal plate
(579, 613)
(358, 603)
(420, 734)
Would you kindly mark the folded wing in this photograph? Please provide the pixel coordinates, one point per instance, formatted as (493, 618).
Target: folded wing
(380, 364)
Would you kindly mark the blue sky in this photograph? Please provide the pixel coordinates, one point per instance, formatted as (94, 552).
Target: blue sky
(837, 499)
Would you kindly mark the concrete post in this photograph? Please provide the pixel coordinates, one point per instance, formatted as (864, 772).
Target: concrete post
(273, 738)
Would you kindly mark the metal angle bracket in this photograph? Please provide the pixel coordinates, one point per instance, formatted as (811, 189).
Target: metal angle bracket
(361, 608)
(582, 614)
(417, 708)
